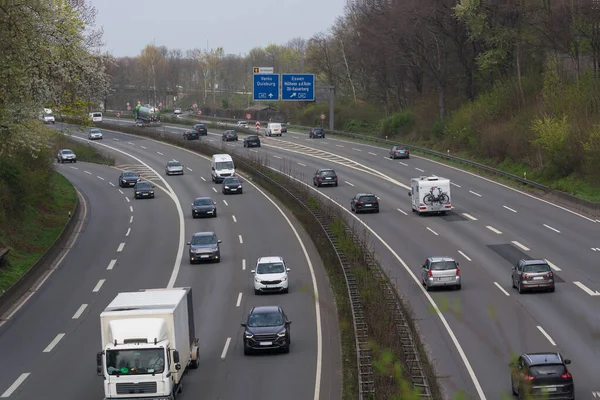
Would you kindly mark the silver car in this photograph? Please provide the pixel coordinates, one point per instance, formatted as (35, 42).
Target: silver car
(532, 274)
(440, 272)
(174, 168)
(94, 134)
(65, 155)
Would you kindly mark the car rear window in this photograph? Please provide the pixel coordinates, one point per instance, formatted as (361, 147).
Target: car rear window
(547, 370)
(328, 173)
(536, 268)
(368, 198)
(443, 265)
(318, 130)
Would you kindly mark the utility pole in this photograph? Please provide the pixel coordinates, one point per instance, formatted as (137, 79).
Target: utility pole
(331, 89)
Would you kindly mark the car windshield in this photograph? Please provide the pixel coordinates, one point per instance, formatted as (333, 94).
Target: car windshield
(328, 173)
(533, 268)
(143, 185)
(135, 362)
(174, 164)
(204, 239)
(131, 174)
(229, 181)
(265, 319)
(199, 126)
(203, 202)
(224, 165)
(270, 268)
(547, 370)
(318, 130)
(67, 152)
(443, 265)
(230, 133)
(368, 199)
(252, 138)
(95, 131)
(49, 115)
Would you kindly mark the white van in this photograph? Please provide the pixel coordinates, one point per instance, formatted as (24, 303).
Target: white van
(96, 116)
(221, 167)
(430, 194)
(273, 129)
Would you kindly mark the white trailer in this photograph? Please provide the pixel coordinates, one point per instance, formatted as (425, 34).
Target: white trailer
(430, 194)
(148, 342)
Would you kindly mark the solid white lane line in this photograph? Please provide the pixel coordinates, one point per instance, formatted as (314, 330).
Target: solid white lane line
(587, 289)
(402, 211)
(54, 342)
(74, 167)
(510, 209)
(239, 300)
(277, 157)
(127, 198)
(519, 245)
(304, 165)
(476, 194)
(419, 169)
(224, 353)
(99, 177)
(111, 264)
(244, 264)
(464, 255)
(491, 228)
(554, 267)
(348, 183)
(128, 231)
(356, 149)
(88, 172)
(120, 191)
(241, 240)
(215, 190)
(387, 158)
(79, 311)
(225, 202)
(15, 385)
(403, 163)
(143, 147)
(189, 169)
(501, 288)
(432, 231)
(130, 208)
(98, 285)
(131, 219)
(234, 220)
(121, 246)
(203, 178)
(472, 218)
(158, 152)
(111, 184)
(373, 154)
(551, 228)
(452, 183)
(546, 335)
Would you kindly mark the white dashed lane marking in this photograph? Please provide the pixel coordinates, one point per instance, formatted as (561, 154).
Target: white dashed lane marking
(510, 209)
(475, 193)
(79, 311)
(241, 240)
(111, 264)
(464, 255)
(98, 285)
(54, 342)
(15, 385)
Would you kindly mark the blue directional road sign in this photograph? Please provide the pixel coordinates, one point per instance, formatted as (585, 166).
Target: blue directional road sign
(298, 87)
(266, 87)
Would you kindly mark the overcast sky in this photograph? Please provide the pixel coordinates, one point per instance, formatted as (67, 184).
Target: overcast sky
(235, 25)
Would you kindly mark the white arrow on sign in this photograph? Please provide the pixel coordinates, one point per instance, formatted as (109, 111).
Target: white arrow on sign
(271, 95)
(587, 289)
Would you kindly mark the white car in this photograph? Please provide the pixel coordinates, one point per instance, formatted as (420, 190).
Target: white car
(273, 129)
(242, 124)
(177, 111)
(270, 275)
(174, 167)
(48, 118)
(94, 134)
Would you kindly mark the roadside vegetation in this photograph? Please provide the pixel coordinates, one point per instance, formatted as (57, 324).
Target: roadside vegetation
(65, 74)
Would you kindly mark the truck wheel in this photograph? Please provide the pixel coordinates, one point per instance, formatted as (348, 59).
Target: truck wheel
(194, 363)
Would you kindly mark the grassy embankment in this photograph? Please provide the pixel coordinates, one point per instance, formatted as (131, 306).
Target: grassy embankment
(35, 201)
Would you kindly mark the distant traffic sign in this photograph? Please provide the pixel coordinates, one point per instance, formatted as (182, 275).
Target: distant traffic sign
(322, 116)
(257, 125)
(298, 87)
(248, 116)
(263, 70)
(128, 108)
(118, 115)
(266, 87)
(199, 112)
(194, 105)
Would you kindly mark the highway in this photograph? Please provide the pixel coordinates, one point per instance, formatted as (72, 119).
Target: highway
(250, 225)
(491, 227)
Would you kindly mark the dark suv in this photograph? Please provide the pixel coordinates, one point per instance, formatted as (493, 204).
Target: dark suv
(532, 274)
(191, 135)
(230, 135)
(541, 375)
(325, 176)
(252, 141)
(201, 129)
(316, 133)
(399, 152)
(283, 127)
(364, 202)
(267, 328)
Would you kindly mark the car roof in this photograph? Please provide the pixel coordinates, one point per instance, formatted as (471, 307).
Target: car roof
(365, 194)
(198, 234)
(231, 177)
(130, 172)
(270, 259)
(66, 150)
(534, 262)
(229, 131)
(543, 358)
(143, 182)
(173, 161)
(265, 310)
(325, 169)
(202, 198)
(440, 259)
(252, 137)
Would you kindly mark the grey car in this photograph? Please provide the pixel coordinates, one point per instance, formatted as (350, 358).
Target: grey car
(399, 152)
(174, 168)
(532, 275)
(204, 207)
(94, 134)
(230, 136)
(204, 246)
(440, 272)
(65, 155)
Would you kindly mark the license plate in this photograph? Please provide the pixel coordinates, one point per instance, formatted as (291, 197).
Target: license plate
(266, 343)
(328, 178)
(144, 194)
(368, 205)
(233, 190)
(204, 256)
(266, 286)
(549, 389)
(447, 278)
(537, 278)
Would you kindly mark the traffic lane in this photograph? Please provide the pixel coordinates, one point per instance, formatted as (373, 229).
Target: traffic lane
(34, 325)
(146, 262)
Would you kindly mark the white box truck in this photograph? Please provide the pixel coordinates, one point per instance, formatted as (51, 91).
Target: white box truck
(430, 194)
(147, 344)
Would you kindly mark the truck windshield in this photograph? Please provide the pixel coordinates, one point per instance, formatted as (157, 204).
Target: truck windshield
(224, 165)
(135, 361)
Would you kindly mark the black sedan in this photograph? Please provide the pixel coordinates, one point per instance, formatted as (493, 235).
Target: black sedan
(204, 207)
(364, 202)
(252, 141)
(201, 129)
(316, 133)
(128, 178)
(204, 246)
(229, 136)
(267, 328)
(191, 135)
(232, 184)
(143, 190)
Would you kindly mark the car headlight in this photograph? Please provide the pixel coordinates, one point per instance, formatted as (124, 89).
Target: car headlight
(257, 280)
(226, 187)
(124, 181)
(249, 335)
(283, 279)
(281, 334)
(152, 192)
(137, 192)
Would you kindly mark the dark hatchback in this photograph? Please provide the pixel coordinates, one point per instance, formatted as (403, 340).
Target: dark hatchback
(204, 207)
(283, 127)
(191, 135)
(364, 202)
(230, 136)
(267, 328)
(542, 376)
(204, 246)
(232, 184)
(252, 141)
(201, 129)
(325, 176)
(399, 152)
(143, 190)
(316, 133)
(128, 178)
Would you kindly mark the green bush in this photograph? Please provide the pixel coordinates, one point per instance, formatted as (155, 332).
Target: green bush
(397, 124)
